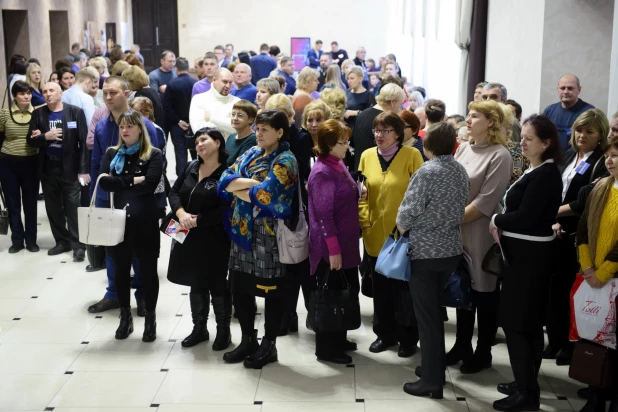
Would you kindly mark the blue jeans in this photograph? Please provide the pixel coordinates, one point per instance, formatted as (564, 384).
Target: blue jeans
(111, 275)
(180, 148)
(20, 184)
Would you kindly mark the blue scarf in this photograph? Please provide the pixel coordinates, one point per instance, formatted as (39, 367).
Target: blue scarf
(118, 161)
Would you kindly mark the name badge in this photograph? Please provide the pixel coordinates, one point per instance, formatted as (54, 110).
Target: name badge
(582, 167)
(72, 125)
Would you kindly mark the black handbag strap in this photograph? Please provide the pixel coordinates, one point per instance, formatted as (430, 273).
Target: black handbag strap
(325, 283)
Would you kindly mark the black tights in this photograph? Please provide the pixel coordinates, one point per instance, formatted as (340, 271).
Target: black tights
(298, 276)
(273, 314)
(122, 257)
(525, 354)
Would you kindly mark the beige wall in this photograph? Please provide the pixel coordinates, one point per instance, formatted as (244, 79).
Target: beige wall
(79, 12)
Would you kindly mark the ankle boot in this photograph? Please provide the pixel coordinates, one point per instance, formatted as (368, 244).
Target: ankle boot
(126, 324)
(267, 353)
(150, 327)
(518, 401)
(596, 401)
(288, 323)
(200, 306)
(476, 363)
(248, 346)
(222, 307)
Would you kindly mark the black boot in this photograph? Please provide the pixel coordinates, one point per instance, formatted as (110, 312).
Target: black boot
(511, 387)
(596, 401)
(200, 306)
(519, 401)
(266, 354)
(462, 350)
(418, 371)
(613, 406)
(476, 363)
(126, 324)
(150, 327)
(248, 346)
(222, 307)
(419, 388)
(289, 323)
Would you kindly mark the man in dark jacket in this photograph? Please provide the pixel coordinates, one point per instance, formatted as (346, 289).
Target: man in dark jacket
(59, 131)
(176, 103)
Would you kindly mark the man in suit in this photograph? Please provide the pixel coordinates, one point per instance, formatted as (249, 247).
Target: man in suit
(229, 53)
(287, 71)
(325, 62)
(176, 103)
(222, 61)
(262, 64)
(313, 56)
(59, 130)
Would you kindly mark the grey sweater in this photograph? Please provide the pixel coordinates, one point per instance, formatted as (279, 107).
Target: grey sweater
(433, 208)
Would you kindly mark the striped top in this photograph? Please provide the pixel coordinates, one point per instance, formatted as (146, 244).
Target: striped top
(15, 141)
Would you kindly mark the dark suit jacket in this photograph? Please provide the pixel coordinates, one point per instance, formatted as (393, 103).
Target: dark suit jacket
(75, 153)
(177, 99)
(580, 181)
(313, 58)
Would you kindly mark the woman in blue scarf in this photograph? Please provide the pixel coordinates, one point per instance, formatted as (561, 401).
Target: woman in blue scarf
(260, 186)
(135, 168)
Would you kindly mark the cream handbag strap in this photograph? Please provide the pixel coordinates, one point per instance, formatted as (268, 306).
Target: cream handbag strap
(94, 194)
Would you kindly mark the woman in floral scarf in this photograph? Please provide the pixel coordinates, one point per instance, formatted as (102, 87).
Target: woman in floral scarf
(260, 186)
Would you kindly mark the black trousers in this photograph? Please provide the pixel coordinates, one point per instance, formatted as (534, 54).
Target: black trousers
(62, 198)
(298, 277)
(486, 305)
(559, 307)
(525, 354)
(20, 185)
(147, 253)
(386, 298)
(329, 344)
(427, 281)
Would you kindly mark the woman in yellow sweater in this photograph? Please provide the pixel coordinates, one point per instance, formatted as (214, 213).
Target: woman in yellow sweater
(597, 242)
(388, 169)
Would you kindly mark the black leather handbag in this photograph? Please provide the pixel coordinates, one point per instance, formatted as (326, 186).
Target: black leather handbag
(458, 290)
(366, 270)
(4, 215)
(333, 310)
(592, 364)
(493, 262)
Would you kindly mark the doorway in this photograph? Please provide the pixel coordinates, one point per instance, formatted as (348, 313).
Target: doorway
(16, 34)
(59, 34)
(155, 29)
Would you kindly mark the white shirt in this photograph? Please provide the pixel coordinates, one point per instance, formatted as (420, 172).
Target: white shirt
(219, 108)
(569, 173)
(77, 97)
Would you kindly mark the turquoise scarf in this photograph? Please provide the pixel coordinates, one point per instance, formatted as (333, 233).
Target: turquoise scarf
(118, 161)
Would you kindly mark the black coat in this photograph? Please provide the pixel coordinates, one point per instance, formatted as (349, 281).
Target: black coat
(75, 154)
(202, 260)
(595, 170)
(142, 225)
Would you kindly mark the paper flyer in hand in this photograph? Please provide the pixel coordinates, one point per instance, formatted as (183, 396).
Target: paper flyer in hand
(179, 236)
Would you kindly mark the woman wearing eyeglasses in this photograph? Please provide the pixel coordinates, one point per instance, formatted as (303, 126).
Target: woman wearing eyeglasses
(242, 117)
(388, 169)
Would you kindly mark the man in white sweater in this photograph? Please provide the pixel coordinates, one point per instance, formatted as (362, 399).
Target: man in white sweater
(213, 108)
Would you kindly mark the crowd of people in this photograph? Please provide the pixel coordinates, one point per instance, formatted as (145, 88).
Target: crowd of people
(357, 152)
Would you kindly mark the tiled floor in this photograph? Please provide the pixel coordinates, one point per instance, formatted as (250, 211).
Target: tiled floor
(54, 354)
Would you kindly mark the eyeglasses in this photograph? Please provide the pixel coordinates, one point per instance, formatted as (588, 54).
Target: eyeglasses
(238, 116)
(381, 132)
(346, 143)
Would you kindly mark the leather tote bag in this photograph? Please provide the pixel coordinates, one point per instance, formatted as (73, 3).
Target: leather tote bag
(101, 226)
(294, 244)
(393, 261)
(494, 262)
(333, 310)
(592, 364)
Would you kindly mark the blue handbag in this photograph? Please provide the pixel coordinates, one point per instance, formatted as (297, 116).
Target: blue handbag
(393, 261)
(458, 290)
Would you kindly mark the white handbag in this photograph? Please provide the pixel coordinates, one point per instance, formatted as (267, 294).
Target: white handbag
(294, 245)
(101, 226)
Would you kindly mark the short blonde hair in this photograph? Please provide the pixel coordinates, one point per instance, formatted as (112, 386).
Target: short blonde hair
(305, 77)
(100, 63)
(119, 67)
(32, 67)
(390, 93)
(596, 119)
(357, 70)
(93, 71)
(137, 78)
(282, 103)
(316, 107)
(335, 99)
(347, 63)
(491, 110)
(507, 124)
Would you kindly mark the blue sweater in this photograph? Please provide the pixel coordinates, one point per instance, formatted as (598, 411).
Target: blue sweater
(564, 119)
(290, 83)
(247, 93)
(261, 66)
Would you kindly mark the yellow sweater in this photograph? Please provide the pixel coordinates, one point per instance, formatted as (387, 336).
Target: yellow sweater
(385, 191)
(606, 240)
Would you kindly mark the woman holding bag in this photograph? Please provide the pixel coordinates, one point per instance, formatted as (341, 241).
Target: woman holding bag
(598, 248)
(333, 212)
(201, 261)
(388, 169)
(260, 185)
(135, 167)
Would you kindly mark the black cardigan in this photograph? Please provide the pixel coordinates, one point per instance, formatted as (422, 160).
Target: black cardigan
(532, 202)
(75, 154)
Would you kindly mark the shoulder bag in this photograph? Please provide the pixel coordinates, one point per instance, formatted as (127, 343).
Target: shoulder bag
(333, 310)
(493, 261)
(393, 261)
(4, 215)
(101, 226)
(294, 244)
(592, 364)
(458, 290)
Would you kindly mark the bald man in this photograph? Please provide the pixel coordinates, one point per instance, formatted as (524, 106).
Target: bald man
(59, 131)
(242, 77)
(213, 108)
(570, 106)
(100, 50)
